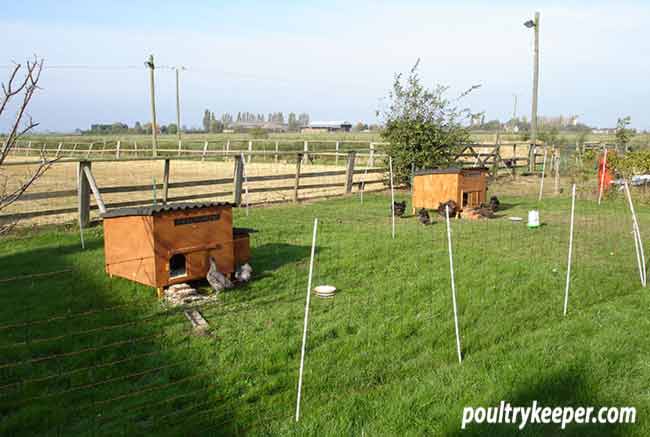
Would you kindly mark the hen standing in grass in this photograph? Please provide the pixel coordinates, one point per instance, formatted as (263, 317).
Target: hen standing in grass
(453, 209)
(216, 279)
(423, 217)
(399, 208)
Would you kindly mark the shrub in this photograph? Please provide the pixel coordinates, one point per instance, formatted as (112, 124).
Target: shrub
(422, 126)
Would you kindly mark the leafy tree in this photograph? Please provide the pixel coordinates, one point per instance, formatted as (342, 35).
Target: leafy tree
(293, 122)
(360, 126)
(623, 134)
(303, 119)
(206, 120)
(422, 126)
(216, 126)
(137, 128)
(491, 125)
(172, 128)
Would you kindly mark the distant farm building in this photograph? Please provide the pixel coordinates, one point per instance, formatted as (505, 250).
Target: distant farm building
(328, 126)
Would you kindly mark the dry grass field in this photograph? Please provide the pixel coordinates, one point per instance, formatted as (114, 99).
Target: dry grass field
(63, 177)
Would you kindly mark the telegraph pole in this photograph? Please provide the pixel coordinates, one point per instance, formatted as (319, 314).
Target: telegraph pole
(154, 137)
(178, 102)
(533, 118)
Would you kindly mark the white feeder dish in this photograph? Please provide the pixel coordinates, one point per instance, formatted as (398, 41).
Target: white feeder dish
(515, 219)
(533, 219)
(325, 290)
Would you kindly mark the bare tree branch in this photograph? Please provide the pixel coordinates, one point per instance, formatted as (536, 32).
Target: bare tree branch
(15, 86)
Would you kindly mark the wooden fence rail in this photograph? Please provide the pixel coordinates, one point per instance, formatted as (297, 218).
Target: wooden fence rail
(87, 187)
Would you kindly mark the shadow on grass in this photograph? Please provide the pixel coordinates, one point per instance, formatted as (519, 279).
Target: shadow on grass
(83, 354)
(558, 389)
(270, 257)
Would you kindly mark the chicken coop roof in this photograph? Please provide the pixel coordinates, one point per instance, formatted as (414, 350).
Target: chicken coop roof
(153, 210)
(450, 170)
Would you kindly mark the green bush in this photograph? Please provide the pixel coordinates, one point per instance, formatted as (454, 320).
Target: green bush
(422, 126)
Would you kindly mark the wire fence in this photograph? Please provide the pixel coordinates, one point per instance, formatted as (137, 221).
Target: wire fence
(83, 353)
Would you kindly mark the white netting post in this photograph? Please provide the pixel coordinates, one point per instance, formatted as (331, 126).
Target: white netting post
(304, 330)
(392, 195)
(568, 269)
(453, 285)
(541, 183)
(245, 172)
(640, 253)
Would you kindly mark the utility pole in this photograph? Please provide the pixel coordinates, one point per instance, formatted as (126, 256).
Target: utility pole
(178, 102)
(513, 122)
(154, 138)
(533, 119)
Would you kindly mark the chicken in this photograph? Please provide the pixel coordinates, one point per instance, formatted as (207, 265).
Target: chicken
(399, 208)
(216, 279)
(453, 209)
(244, 273)
(423, 217)
(494, 203)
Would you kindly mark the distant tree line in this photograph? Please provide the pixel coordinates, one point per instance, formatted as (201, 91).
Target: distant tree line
(119, 128)
(244, 121)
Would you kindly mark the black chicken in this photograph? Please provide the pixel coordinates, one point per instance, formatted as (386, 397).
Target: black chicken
(494, 203)
(423, 217)
(453, 209)
(399, 208)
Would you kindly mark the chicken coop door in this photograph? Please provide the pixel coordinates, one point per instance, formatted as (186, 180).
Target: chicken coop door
(471, 198)
(177, 266)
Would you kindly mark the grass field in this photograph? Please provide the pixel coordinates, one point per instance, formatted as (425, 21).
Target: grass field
(101, 356)
(639, 140)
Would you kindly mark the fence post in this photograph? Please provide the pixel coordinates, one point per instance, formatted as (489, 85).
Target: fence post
(305, 149)
(336, 160)
(117, 149)
(205, 150)
(180, 147)
(371, 158)
(83, 193)
(349, 172)
(556, 158)
(90, 149)
(250, 150)
(238, 177)
(277, 146)
(135, 148)
(296, 184)
(166, 181)
(58, 149)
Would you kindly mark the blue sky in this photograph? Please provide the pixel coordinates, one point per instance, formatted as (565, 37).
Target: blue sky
(335, 60)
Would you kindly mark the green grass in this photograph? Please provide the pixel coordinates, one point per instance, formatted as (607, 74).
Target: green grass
(381, 356)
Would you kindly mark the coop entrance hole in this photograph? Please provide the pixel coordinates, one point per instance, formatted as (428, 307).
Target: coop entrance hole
(177, 265)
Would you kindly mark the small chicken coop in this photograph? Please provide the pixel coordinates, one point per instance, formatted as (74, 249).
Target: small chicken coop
(466, 187)
(168, 244)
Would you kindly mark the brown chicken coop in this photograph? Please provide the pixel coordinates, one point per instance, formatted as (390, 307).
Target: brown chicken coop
(466, 187)
(168, 244)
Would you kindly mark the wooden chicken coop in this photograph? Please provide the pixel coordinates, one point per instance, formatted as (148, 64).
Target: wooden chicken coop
(466, 187)
(168, 244)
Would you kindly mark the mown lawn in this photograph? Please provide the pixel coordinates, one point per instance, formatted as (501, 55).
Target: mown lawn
(82, 354)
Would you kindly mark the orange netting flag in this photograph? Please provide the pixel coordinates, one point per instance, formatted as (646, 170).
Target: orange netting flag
(604, 179)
